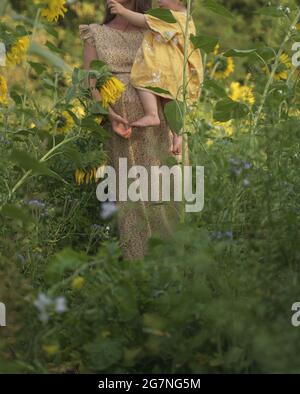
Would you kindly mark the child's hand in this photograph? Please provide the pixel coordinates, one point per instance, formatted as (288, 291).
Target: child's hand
(115, 7)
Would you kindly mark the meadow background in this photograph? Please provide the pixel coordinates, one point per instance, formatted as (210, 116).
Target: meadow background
(217, 297)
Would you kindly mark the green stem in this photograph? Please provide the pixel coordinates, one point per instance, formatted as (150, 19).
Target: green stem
(44, 158)
(36, 22)
(271, 77)
(184, 111)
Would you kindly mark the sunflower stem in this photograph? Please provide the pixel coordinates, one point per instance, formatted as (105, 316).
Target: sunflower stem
(271, 77)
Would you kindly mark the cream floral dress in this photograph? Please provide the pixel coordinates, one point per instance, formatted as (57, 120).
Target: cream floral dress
(137, 221)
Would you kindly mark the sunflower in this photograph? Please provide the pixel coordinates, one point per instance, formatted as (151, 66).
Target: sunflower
(111, 91)
(55, 9)
(224, 128)
(3, 91)
(64, 122)
(222, 66)
(85, 176)
(239, 92)
(17, 53)
(283, 67)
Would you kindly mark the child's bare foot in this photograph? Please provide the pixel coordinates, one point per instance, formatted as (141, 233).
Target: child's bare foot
(177, 144)
(147, 121)
(120, 125)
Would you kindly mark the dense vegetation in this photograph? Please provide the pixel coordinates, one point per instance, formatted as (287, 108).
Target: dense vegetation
(215, 298)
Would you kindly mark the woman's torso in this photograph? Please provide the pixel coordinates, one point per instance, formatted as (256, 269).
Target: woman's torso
(115, 47)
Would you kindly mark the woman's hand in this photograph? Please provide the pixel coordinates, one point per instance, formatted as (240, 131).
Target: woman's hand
(119, 124)
(115, 7)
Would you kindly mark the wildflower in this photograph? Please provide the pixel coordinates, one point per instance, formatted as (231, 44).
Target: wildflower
(18, 52)
(99, 119)
(36, 204)
(239, 92)
(108, 209)
(45, 305)
(65, 122)
(78, 283)
(219, 235)
(79, 111)
(54, 9)
(226, 127)
(111, 91)
(3, 91)
(60, 305)
(222, 66)
(85, 176)
(42, 303)
(246, 182)
(51, 350)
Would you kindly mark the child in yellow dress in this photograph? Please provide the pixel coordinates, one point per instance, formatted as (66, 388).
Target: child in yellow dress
(159, 62)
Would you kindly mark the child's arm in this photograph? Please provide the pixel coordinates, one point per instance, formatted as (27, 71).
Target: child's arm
(135, 18)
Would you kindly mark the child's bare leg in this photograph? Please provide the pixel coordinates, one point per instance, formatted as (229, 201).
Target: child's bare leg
(149, 103)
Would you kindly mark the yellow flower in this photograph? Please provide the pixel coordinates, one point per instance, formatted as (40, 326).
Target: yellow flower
(222, 66)
(55, 9)
(111, 91)
(50, 350)
(78, 283)
(87, 176)
(283, 66)
(64, 122)
(79, 111)
(99, 119)
(3, 91)
(239, 92)
(224, 127)
(18, 52)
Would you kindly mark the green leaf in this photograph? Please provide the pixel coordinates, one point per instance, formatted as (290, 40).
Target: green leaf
(71, 92)
(213, 86)
(68, 260)
(158, 90)
(49, 56)
(239, 52)
(15, 212)
(38, 67)
(23, 159)
(52, 47)
(270, 11)
(163, 14)
(103, 353)
(227, 109)
(206, 43)
(97, 108)
(97, 65)
(173, 111)
(217, 8)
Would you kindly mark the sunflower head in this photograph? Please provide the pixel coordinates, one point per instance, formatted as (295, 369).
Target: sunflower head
(18, 52)
(54, 9)
(3, 91)
(241, 93)
(111, 91)
(64, 122)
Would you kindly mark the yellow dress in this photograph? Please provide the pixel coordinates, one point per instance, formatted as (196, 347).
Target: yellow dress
(159, 60)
